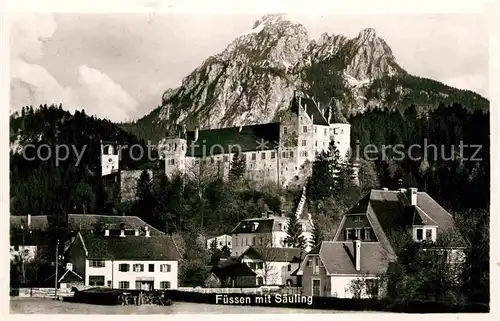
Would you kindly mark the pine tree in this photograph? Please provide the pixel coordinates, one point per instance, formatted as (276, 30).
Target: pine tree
(238, 167)
(321, 184)
(317, 235)
(294, 233)
(144, 187)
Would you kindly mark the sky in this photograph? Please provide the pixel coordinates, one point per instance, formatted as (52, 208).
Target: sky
(118, 65)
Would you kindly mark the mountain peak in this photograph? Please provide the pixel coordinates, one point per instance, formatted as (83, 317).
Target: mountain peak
(269, 18)
(367, 33)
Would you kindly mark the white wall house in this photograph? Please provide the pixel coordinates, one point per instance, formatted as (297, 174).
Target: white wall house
(126, 261)
(268, 229)
(273, 266)
(220, 241)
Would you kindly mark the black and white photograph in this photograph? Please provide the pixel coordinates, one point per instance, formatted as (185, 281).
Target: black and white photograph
(208, 158)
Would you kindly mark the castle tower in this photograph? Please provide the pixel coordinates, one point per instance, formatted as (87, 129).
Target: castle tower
(110, 158)
(340, 133)
(175, 153)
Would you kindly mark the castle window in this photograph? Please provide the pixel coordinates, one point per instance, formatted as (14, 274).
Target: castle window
(305, 153)
(273, 155)
(304, 142)
(263, 155)
(226, 158)
(254, 156)
(175, 146)
(304, 129)
(285, 130)
(283, 155)
(291, 154)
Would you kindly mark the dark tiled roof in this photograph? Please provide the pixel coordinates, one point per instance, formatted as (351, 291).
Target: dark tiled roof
(388, 211)
(84, 222)
(361, 207)
(92, 221)
(33, 237)
(338, 258)
(160, 247)
(264, 225)
(248, 138)
(274, 254)
(232, 267)
(39, 222)
(311, 109)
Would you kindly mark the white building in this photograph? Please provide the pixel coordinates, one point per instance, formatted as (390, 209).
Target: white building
(220, 241)
(279, 152)
(267, 231)
(273, 266)
(125, 261)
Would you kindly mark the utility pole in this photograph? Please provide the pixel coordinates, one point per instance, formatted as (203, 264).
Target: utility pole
(21, 255)
(57, 262)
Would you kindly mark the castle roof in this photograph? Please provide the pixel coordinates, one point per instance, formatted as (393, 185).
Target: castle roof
(232, 139)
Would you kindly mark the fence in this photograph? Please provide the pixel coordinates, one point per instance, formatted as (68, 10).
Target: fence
(44, 292)
(255, 291)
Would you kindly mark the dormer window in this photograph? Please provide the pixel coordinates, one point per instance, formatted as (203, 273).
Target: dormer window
(428, 234)
(420, 234)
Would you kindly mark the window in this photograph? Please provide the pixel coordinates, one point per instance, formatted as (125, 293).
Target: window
(108, 283)
(254, 157)
(419, 234)
(226, 158)
(96, 263)
(123, 267)
(285, 130)
(357, 233)
(259, 266)
(260, 280)
(304, 129)
(309, 262)
(212, 160)
(316, 143)
(316, 265)
(165, 268)
(96, 280)
(283, 155)
(124, 284)
(138, 267)
(368, 234)
(348, 234)
(304, 142)
(253, 240)
(305, 153)
(289, 267)
(273, 155)
(151, 268)
(165, 285)
(428, 234)
(263, 155)
(291, 154)
(358, 219)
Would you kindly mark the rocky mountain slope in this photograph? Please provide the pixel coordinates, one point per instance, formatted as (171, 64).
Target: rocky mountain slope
(254, 78)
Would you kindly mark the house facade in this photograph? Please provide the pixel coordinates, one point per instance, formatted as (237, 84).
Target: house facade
(281, 152)
(220, 241)
(273, 265)
(139, 261)
(268, 230)
(363, 246)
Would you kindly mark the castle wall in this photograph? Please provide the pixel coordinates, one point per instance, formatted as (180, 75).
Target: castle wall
(175, 156)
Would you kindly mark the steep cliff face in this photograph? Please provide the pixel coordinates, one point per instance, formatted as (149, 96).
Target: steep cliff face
(254, 78)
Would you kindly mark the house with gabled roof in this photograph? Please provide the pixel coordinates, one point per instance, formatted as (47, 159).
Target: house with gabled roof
(267, 230)
(273, 265)
(364, 244)
(139, 261)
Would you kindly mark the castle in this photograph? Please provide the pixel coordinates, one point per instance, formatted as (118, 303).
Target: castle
(280, 152)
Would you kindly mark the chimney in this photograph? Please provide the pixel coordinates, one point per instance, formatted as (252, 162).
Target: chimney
(196, 132)
(106, 232)
(146, 228)
(357, 254)
(136, 232)
(413, 196)
(29, 221)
